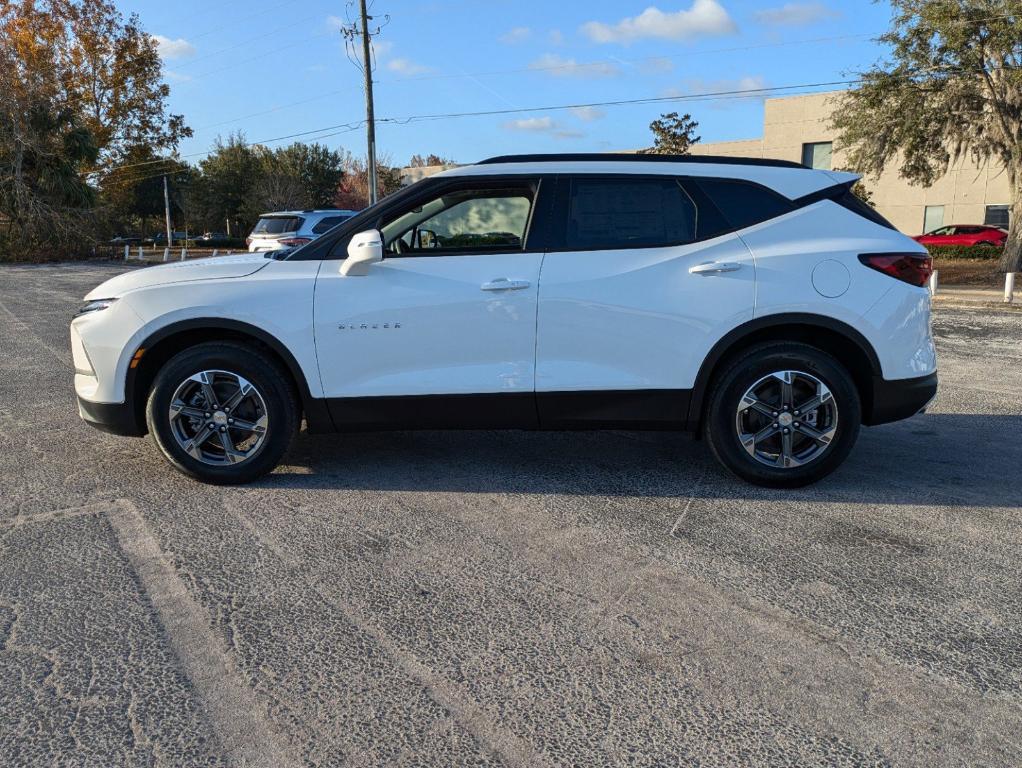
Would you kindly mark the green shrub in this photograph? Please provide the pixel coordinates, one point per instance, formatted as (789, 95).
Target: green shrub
(964, 251)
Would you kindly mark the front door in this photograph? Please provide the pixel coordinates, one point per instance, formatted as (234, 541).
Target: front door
(442, 332)
(637, 287)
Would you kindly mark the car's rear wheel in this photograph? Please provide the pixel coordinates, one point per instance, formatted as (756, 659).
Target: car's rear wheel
(222, 412)
(783, 415)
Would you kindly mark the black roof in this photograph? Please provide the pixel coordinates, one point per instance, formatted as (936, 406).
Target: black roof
(639, 158)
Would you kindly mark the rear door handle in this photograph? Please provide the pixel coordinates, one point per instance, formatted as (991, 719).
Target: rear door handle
(714, 268)
(503, 284)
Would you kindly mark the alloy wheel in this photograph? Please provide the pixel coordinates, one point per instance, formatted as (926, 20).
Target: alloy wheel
(218, 417)
(787, 419)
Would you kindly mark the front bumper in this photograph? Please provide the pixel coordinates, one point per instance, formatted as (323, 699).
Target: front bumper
(115, 418)
(897, 399)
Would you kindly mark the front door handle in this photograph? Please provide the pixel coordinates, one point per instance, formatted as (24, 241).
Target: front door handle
(714, 268)
(503, 284)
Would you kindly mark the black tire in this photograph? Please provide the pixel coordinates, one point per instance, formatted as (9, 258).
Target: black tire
(283, 415)
(721, 427)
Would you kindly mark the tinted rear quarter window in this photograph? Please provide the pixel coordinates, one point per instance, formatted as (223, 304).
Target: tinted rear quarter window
(743, 203)
(328, 223)
(628, 213)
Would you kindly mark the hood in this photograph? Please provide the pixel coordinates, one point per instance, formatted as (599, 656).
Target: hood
(179, 272)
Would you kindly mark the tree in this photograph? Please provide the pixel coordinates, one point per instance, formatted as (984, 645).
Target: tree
(951, 89)
(226, 188)
(418, 161)
(45, 202)
(298, 176)
(353, 191)
(673, 135)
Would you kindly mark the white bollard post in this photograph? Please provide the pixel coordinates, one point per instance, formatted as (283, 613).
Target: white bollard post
(140, 253)
(127, 251)
(214, 253)
(1009, 287)
(184, 253)
(166, 254)
(933, 283)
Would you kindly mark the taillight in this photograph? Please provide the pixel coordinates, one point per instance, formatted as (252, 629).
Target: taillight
(912, 268)
(294, 242)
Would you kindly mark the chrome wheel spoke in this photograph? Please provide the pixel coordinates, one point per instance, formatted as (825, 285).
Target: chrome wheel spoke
(178, 408)
(233, 454)
(785, 378)
(242, 392)
(207, 388)
(757, 405)
(787, 455)
(750, 441)
(193, 446)
(258, 426)
(822, 438)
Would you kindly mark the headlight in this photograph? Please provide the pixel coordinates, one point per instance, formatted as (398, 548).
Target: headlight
(94, 306)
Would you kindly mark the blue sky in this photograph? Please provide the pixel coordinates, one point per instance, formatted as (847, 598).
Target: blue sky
(271, 68)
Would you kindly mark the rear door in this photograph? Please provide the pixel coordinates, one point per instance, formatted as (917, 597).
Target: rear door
(642, 277)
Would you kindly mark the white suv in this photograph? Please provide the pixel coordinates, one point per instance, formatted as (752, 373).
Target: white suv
(757, 302)
(293, 229)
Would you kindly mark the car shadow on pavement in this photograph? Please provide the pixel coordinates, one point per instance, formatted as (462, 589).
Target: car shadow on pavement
(931, 459)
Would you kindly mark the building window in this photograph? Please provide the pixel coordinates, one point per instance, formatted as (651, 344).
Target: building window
(817, 155)
(997, 216)
(933, 218)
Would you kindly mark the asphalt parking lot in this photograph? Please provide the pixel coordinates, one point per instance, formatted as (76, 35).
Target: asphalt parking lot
(523, 599)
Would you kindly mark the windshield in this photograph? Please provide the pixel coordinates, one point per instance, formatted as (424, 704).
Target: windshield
(276, 225)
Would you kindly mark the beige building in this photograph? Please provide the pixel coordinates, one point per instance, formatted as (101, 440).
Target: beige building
(796, 128)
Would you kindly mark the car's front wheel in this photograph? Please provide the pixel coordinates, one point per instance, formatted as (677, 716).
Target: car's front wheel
(222, 412)
(783, 415)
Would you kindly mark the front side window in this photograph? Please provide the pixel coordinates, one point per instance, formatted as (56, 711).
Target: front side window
(471, 220)
(628, 213)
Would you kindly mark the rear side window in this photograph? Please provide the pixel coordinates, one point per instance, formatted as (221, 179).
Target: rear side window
(328, 223)
(853, 203)
(743, 203)
(276, 225)
(628, 213)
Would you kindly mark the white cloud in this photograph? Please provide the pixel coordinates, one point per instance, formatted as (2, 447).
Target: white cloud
(545, 125)
(695, 86)
(705, 18)
(536, 124)
(407, 67)
(335, 22)
(588, 114)
(795, 14)
(175, 77)
(558, 66)
(516, 35)
(173, 49)
(756, 84)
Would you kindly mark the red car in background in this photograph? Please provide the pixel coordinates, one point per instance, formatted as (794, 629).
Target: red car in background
(964, 234)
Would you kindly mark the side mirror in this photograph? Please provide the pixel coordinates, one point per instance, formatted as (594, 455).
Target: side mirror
(365, 248)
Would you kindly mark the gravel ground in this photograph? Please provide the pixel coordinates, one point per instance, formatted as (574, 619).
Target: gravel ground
(512, 598)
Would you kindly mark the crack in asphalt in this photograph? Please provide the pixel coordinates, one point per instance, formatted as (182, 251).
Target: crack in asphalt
(237, 717)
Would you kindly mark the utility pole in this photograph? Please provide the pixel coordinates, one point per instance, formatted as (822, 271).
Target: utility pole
(361, 28)
(367, 67)
(166, 209)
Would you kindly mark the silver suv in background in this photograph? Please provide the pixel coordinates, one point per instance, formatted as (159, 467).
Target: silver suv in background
(291, 229)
